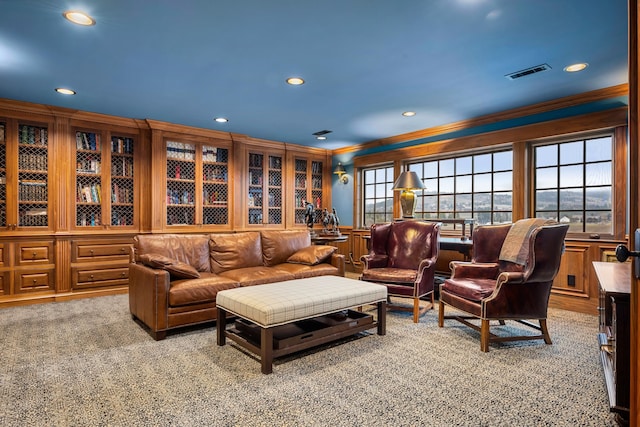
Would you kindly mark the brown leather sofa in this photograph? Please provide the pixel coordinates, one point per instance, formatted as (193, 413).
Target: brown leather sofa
(174, 278)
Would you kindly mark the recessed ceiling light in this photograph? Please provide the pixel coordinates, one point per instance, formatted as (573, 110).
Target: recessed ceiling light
(295, 81)
(576, 67)
(65, 91)
(409, 113)
(79, 18)
(221, 119)
(321, 138)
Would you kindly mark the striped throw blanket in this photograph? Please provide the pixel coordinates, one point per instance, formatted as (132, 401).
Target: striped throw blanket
(516, 245)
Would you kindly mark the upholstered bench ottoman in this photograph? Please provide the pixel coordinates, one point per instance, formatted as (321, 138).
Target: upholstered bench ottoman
(300, 314)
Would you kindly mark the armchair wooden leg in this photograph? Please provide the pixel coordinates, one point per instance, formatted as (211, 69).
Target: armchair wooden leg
(545, 331)
(441, 314)
(484, 335)
(416, 310)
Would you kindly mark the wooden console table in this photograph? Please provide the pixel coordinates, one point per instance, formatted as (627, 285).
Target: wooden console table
(615, 288)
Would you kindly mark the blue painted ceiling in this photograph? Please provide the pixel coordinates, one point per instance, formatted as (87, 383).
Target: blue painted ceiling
(364, 61)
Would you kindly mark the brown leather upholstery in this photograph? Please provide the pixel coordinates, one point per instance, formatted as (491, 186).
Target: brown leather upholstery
(162, 300)
(488, 288)
(403, 256)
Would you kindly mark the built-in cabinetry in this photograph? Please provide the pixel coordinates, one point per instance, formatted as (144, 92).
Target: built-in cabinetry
(104, 179)
(306, 174)
(264, 188)
(197, 180)
(614, 337)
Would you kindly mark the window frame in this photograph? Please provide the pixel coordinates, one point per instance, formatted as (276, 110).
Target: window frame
(614, 185)
(389, 200)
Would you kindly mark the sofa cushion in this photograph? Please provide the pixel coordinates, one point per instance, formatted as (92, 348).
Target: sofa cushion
(302, 271)
(278, 245)
(230, 251)
(257, 275)
(192, 249)
(471, 289)
(197, 291)
(177, 269)
(312, 255)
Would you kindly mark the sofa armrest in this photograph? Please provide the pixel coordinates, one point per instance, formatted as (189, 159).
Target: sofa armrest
(149, 297)
(338, 261)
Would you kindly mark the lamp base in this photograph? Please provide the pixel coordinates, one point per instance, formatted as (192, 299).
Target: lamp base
(407, 203)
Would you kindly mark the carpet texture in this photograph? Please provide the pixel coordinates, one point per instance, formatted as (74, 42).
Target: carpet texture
(87, 363)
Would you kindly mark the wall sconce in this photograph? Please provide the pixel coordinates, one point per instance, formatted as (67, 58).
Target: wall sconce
(407, 182)
(342, 174)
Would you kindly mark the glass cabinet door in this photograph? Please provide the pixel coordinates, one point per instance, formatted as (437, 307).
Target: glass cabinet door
(33, 176)
(181, 183)
(215, 185)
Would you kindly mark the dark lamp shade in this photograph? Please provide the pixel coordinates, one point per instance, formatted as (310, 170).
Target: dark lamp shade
(408, 181)
(340, 170)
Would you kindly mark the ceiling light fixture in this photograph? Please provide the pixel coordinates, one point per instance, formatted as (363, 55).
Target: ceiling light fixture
(409, 113)
(321, 138)
(65, 91)
(576, 67)
(221, 119)
(295, 81)
(79, 18)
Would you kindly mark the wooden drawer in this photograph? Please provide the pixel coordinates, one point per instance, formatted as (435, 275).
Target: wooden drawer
(5, 281)
(30, 253)
(34, 281)
(100, 277)
(4, 252)
(92, 251)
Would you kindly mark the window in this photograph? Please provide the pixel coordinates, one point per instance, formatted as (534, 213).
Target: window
(475, 186)
(573, 182)
(377, 195)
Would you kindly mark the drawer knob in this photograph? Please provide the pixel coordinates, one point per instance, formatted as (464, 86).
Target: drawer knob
(123, 249)
(123, 274)
(91, 277)
(34, 254)
(35, 281)
(91, 251)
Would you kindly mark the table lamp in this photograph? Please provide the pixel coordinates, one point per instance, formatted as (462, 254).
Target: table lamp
(407, 182)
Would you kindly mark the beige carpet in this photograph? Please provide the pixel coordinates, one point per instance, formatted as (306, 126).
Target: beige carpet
(86, 363)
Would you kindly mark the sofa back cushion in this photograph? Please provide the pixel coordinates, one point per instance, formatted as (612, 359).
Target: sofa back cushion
(229, 251)
(278, 246)
(192, 249)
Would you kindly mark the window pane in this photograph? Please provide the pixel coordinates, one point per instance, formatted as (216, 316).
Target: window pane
(546, 200)
(502, 217)
(369, 191)
(446, 185)
(571, 152)
(598, 222)
(574, 218)
(430, 203)
(417, 168)
(502, 201)
(463, 184)
(446, 167)
(482, 163)
(430, 169)
(446, 203)
(546, 155)
(381, 190)
(598, 198)
(482, 202)
(484, 218)
(377, 194)
(503, 161)
(571, 176)
(571, 199)
(432, 186)
(599, 149)
(502, 181)
(463, 165)
(547, 178)
(381, 175)
(369, 175)
(463, 202)
(482, 182)
(598, 173)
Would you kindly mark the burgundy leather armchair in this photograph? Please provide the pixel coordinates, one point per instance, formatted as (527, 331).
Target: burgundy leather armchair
(402, 256)
(494, 287)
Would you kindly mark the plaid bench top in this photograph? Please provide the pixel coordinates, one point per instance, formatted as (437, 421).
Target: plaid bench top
(280, 303)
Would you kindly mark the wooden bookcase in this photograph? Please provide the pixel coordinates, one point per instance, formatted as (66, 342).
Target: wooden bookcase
(306, 182)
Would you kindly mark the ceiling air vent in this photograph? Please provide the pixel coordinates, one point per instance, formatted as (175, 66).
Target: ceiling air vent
(528, 71)
(321, 132)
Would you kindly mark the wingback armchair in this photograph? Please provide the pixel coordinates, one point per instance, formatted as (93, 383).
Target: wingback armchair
(402, 256)
(508, 278)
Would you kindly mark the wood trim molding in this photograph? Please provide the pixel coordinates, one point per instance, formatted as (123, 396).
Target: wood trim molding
(586, 122)
(187, 130)
(556, 104)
